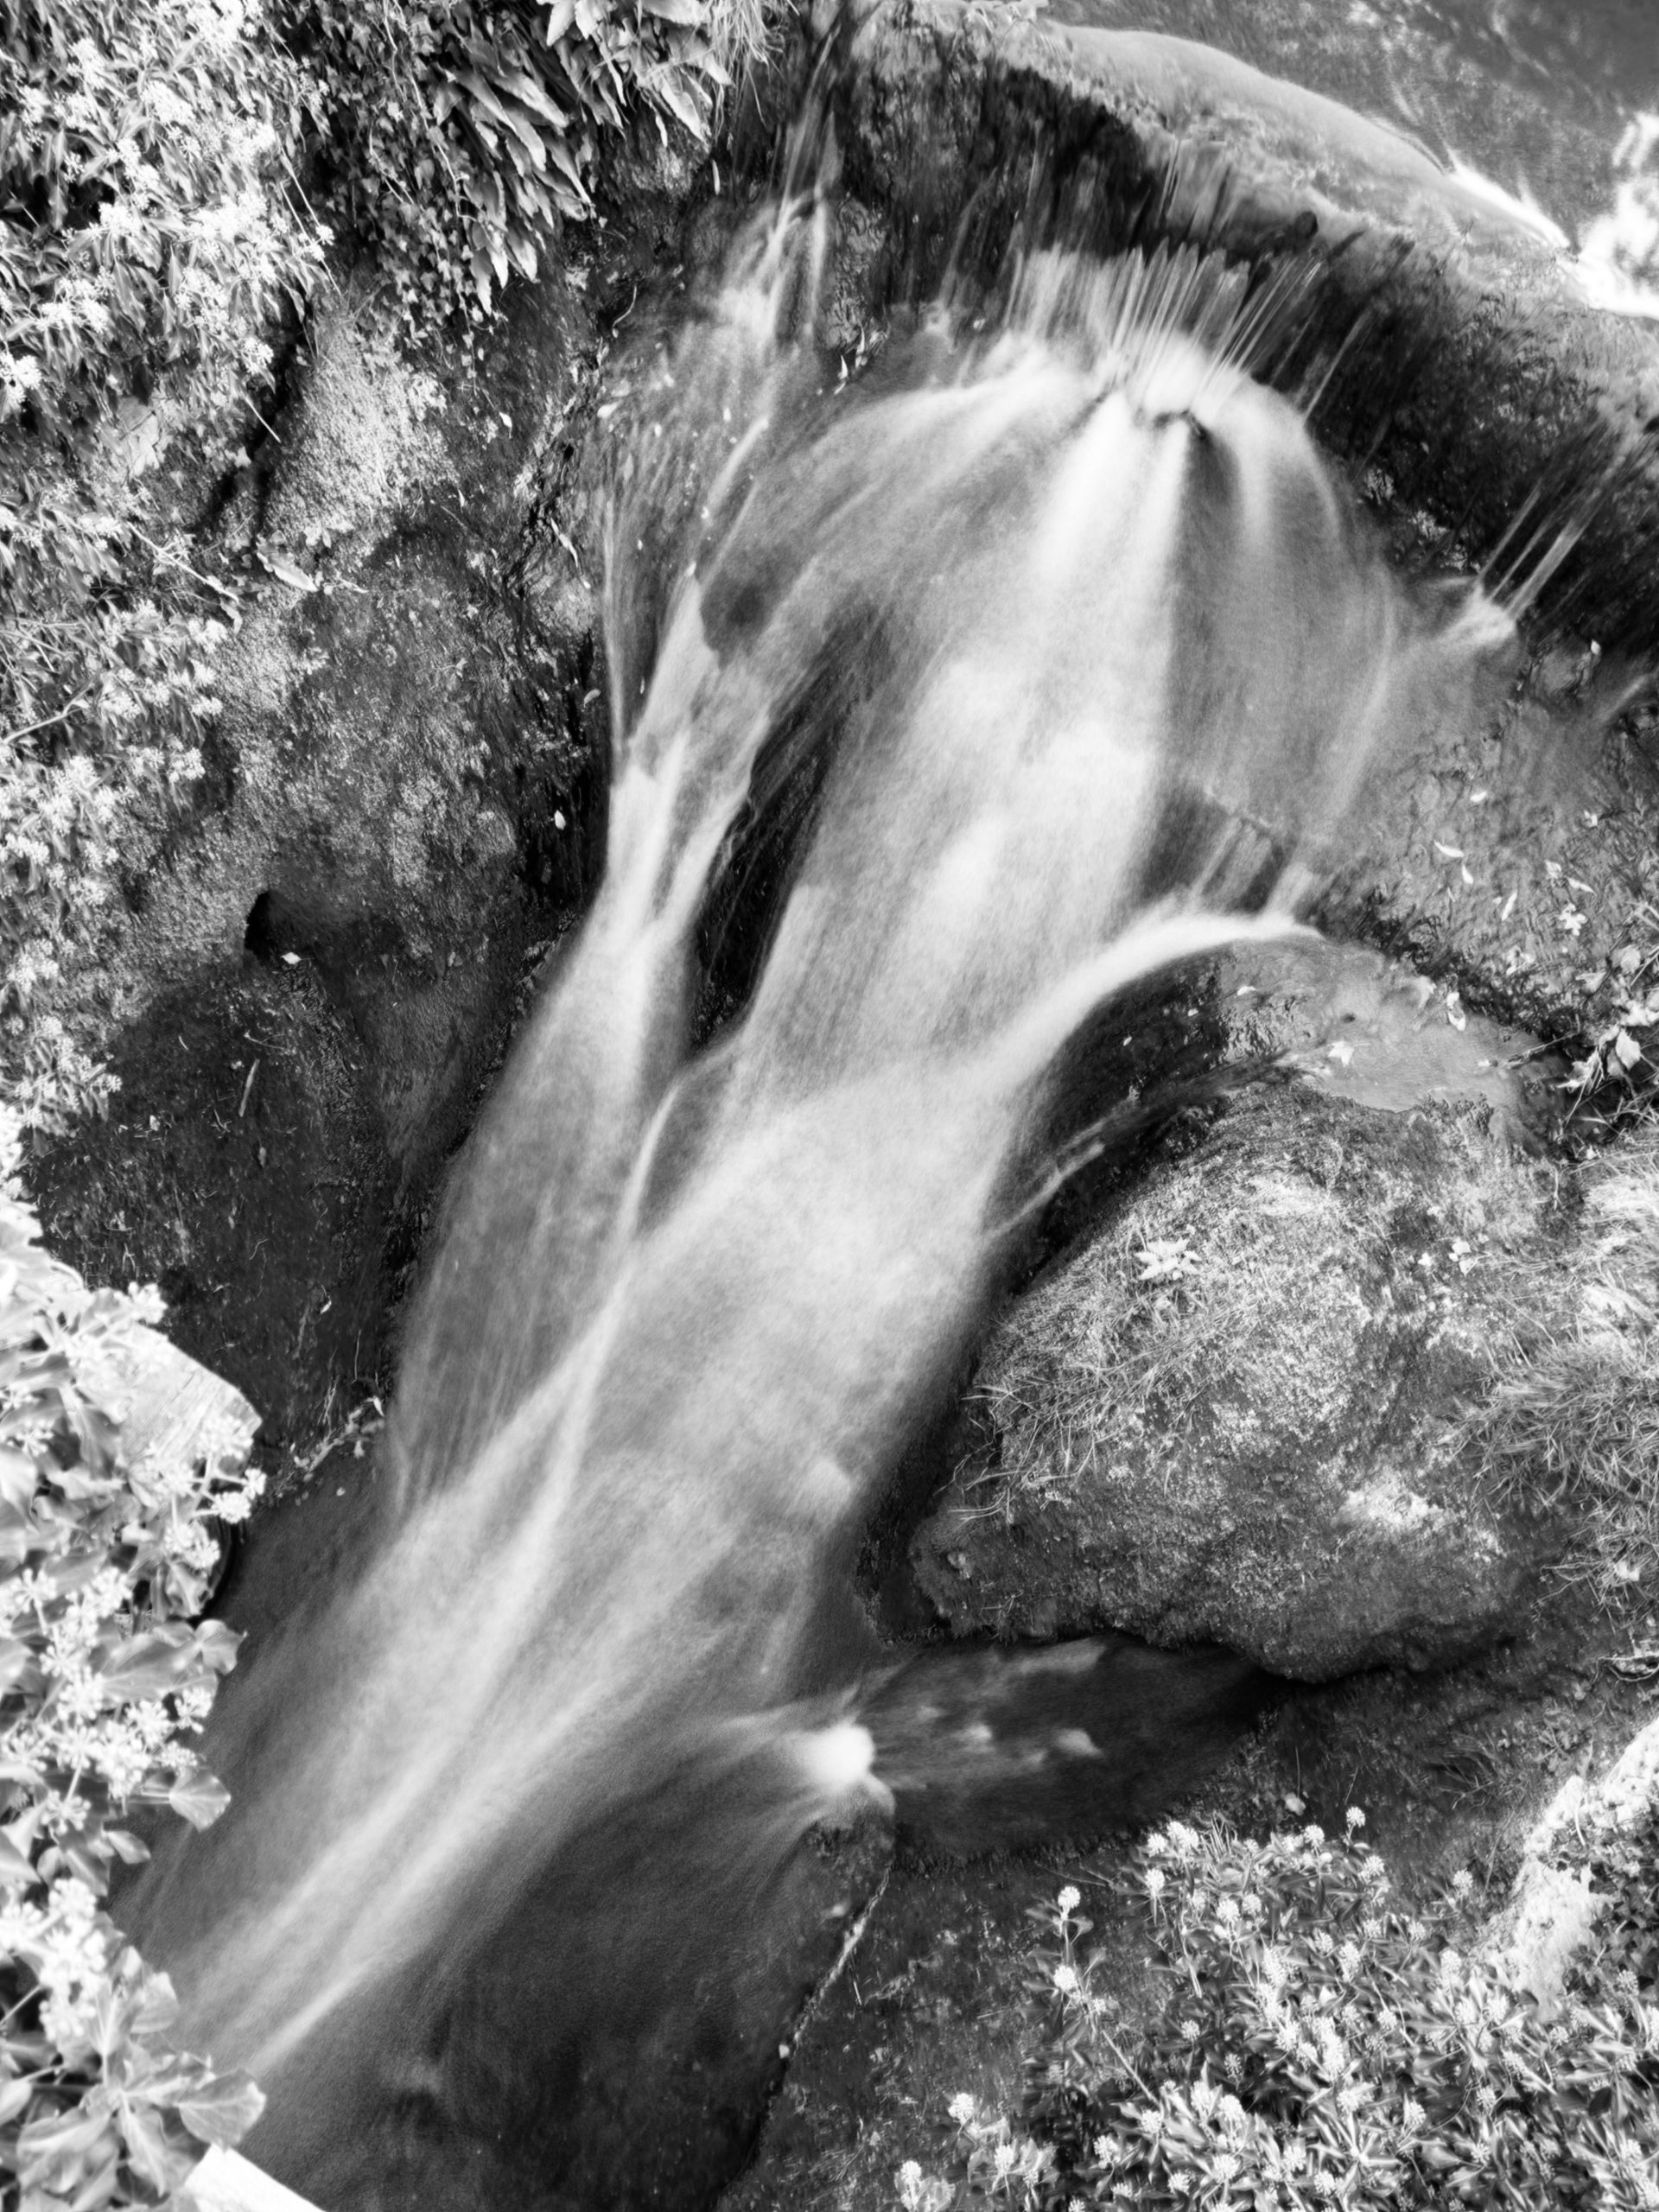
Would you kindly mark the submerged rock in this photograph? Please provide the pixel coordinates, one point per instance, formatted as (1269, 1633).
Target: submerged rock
(1235, 1416)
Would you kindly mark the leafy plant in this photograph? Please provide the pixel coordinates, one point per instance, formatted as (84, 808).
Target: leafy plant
(148, 249)
(1310, 2044)
(102, 1680)
(462, 133)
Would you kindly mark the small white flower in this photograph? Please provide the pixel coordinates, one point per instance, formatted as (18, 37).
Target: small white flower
(1069, 1899)
(1354, 1818)
(962, 2108)
(1065, 1980)
(1462, 1882)
(1002, 2159)
(1154, 1878)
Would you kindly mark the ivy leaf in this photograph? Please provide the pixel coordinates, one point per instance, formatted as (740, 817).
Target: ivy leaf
(147, 2146)
(15, 1871)
(218, 1646)
(223, 2110)
(147, 1665)
(200, 1798)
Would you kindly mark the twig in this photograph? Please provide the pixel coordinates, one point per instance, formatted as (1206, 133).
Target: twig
(51, 721)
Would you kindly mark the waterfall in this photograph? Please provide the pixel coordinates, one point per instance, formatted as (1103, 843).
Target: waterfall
(948, 701)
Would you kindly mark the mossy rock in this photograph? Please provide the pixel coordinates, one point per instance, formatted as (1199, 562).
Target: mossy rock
(1238, 1414)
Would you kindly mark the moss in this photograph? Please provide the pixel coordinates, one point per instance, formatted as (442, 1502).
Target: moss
(1233, 1414)
(363, 435)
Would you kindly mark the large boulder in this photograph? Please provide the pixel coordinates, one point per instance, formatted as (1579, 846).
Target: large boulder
(1236, 1415)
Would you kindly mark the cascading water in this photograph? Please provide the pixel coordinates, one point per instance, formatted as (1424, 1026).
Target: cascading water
(1041, 658)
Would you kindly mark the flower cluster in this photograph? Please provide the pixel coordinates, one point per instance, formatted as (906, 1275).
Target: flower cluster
(1316, 2045)
(999, 2164)
(104, 1680)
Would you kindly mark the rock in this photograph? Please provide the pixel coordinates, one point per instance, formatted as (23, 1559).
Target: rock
(1493, 416)
(1370, 1029)
(394, 715)
(171, 1409)
(226, 2182)
(1557, 1902)
(1478, 375)
(1234, 1416)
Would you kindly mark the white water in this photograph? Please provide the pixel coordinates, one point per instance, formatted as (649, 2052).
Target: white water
(1035, 604)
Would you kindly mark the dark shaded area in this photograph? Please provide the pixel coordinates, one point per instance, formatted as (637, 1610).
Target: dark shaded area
(998, 1749)
(618, 2043)
(241, 1168)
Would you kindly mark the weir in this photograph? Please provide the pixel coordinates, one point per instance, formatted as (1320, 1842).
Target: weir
(948, 704)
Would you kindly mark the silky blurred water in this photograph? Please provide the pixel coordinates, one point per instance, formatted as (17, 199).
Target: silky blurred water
(1047, 657)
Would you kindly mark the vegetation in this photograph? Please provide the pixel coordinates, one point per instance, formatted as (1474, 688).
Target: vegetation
(148, 249)
(1570, 1423)
(102, 1563)
(1311, 2045)
(161, 169)
(460, 135)
(161, 166)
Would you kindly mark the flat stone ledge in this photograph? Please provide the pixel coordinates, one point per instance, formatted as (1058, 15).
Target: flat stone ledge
(225, 2182)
